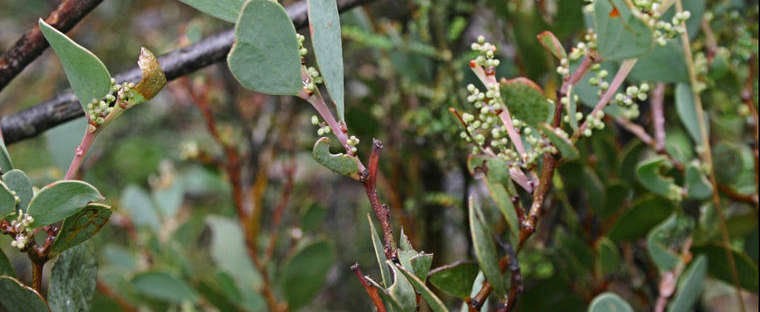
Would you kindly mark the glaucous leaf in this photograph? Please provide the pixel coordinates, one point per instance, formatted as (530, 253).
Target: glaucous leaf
(18, 297)
(81, 226)
(689, 286)
(163, 286)
(485, 251)
(138, 204)
(264, 57)
(17, 181)
(343, 164)
(88, 76)
(379, 249)
(222, 9)
(644, 214)
(718, 266)
(697, 185)
(455, 279)
(550, 42)
(499, 183)
(73, 278)
(7, 201)
(169, 199)
(649, 176)
(5, 265)
(412, 260)
(620, 35)
(402, 290)
(664, 63)
(435, 304)
(687, 112)
(607, 302)
(61, 199)
(526, 101)
(6, 163)
(305, 271)
(324, 25)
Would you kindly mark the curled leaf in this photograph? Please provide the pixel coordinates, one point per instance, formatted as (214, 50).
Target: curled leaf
(346, 165)
(153, 78)
(552, 44)
(648, 173)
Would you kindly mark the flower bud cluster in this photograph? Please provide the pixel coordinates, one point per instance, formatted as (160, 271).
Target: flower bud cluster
(302, 51)
(627, 101)
(21, 226)
(486, 52)
(352, 141)
(99, 109)
(314, 79)
(599, 79)
(323, 129)
(667, 30)
(594, 121)
(564, 67)
(583, 47)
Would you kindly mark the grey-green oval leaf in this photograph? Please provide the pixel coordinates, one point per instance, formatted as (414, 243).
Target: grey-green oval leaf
(432, 300)
(88, 77)
(324, 24)
(265, 55)
(18, 297)
(485, 251)
(61, 199)
(305, 271)
(7, 201)
(620, 35)
(609, 302)
(72, 281)
(81, 226)
(17, 181)
(222, 9)
(690, 286)
(346, 165)
(455, 279)
(163, 286)
(526, 101)
(686, 110)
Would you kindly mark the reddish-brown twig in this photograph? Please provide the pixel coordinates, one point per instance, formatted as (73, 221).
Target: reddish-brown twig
(371, 290)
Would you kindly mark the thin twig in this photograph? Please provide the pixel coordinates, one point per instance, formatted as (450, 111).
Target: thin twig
(278, 211)
(371, 291)
(382, 212)
(617, 81)
(65, 107)
(32, 43)
(108, 292)
(669, 280)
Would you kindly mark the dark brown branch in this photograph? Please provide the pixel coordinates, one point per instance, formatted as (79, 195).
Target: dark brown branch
(32, 43)
(381, 210)
(41, 117)
(371, 291)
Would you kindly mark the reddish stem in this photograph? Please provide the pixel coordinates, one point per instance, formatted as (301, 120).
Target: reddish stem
(371, 291)
(80, 152)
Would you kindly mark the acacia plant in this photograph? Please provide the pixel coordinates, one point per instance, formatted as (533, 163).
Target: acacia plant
(598, 155)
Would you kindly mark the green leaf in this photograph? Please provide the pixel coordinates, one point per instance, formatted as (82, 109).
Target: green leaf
(163, 286)
(88, 77)
(324, 24)
(686, 110)
(485, 251)
(550, 42)
(526, 101)
(313, 217)
(563, 144)
(5, 158)
(264, 57)
(664, 241)
(622, 35)
(402, 291)
(435, 304)
(608, 256)
(72, 281)
(7, 201)
(17, 181)
(455, 279)
(648, 174)
(18, 297)
(5, 265)
(718, 266)
(412, 260)
(644, 214)
(222, 9)
(228, 252)
(499, 183)
(81, 226)
(609, 302)
(377, 245)
(664, 63)
(697, 185)
(61, 199)
(304, 272)
(137, 203)
(169, 199)
(727, 159)
(690, 286)
(343, 164)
